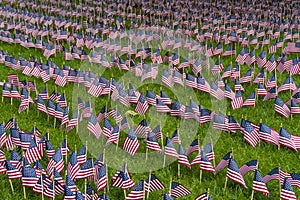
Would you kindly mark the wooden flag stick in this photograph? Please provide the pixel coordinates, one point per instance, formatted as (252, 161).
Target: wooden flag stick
(11, 186)
(170, 186)
(212, 148)
(85, 189)
(149, 180)
(41, 176)
(200, 176)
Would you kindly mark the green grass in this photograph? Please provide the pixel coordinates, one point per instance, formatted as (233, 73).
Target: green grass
(269, 156)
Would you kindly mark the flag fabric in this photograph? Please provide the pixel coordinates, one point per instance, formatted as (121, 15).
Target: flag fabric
(194, 146)
(268, 134)
(182, 157)
(137, 193)
(237, 102)
(203, 196)
(142, 105)
(250, 133)
(205, 163)
(285, 139)
(93, 126)
(250, 101)
(287, 192)
(56, 162)
(73, 166)
(234, 174)
(29, 177)
(152, 142)
(170, 149)
(249, 166)
(102, 178)
(258, 184)
(178, 190)
(153, 184)
(281, 108)
(224, 162)
(131, 143)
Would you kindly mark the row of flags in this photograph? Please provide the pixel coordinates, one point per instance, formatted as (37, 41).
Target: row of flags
(142, 104)
(50, 182)
(104, 86)
(29, 169)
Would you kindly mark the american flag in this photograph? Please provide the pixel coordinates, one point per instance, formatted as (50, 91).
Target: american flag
(287, 192)
(258, 184)
(107, 128)
(102, 178)
(295, 109)
(114, 137)
(216, 92)
(205, 115)
(250, 101)
(194, 146)
(41, 105)
(271, 83)
(205, 163)
(249, 166)
(175, 137)
(234, 174)
(281, 108)
(250, 133)
(73, 166)
(161, 107)
(261, 91)
(227, 72)
(131, 143)
(272, 175)
(152, 142)
(220, 122)
(68, 194)
(5, 90)
(237, 102)
(29, 177)
(170, 149)
(202, 84)
(93, 126)
(138, 192)
(182, 157)
(14, 92)
(142, 105)
(12, 172)
(73, 122)
(56, 162)
(285, 139)
(248, 76)
(295, 179)
(268, 134)
(288, 84)
(203, 196)
(32, 152)
(86, 170)
(178, 190)
(143, 128)
(224, 162)
(153, 184)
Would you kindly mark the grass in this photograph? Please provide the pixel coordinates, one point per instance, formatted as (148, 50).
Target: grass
(269, 156)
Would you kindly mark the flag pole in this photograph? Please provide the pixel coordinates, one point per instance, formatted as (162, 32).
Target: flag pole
(11, 186)
(148, 189)
(212, 148)
(252, 194)
(165, 156)
(85, 189)
(41, 175)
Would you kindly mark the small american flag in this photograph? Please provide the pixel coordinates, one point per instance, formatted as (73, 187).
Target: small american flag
(178, 190)
(287, 192)
(258, 184)
(234, 174)
(131, 143)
